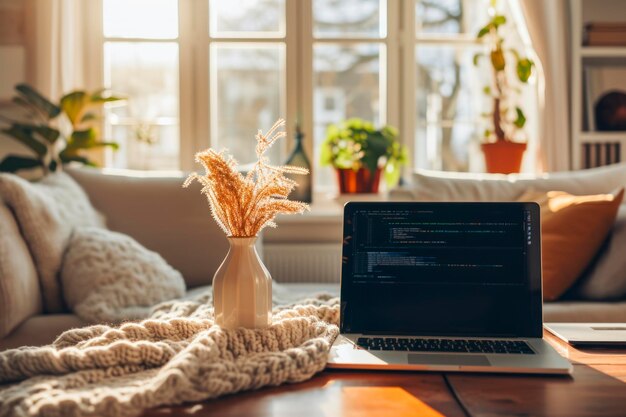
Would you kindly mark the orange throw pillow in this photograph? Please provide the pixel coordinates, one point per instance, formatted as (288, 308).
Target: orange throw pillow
(572, 231)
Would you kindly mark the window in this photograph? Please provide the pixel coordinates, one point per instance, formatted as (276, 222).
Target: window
(141, 59)
(210, 73)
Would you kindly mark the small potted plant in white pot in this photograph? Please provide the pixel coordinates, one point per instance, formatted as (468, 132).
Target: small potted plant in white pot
(503, 153)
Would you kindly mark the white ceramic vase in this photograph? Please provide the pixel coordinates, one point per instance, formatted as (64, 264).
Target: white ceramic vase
(242, 288)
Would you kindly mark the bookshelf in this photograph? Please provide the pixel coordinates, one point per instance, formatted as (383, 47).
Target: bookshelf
(589, 147)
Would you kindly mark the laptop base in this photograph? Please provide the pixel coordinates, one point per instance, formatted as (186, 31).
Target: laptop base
(345, 354)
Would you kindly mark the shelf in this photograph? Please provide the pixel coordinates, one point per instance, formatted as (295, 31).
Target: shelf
(603, 51)
(603, 137)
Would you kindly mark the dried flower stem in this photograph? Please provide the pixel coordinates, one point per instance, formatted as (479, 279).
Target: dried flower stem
(243, 206)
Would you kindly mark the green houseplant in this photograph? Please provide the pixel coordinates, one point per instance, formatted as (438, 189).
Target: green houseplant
(359, 153)
(502, 153)
(55, 133)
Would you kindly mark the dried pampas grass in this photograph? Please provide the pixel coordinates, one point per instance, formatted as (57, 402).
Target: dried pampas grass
(243, 205)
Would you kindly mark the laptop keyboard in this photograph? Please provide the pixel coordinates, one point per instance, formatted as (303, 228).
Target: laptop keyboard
(445, 345)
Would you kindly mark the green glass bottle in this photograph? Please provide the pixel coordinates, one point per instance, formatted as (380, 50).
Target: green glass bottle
(303, 192)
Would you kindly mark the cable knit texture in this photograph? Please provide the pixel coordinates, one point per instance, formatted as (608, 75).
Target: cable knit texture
(47, 211)
(109, 277)
(177, 355)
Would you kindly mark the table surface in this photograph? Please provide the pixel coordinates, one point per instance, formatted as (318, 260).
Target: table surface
(597, 388)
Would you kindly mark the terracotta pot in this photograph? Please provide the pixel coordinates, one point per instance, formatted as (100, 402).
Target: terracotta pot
(359, 181)
(503, 156)
(242, 288)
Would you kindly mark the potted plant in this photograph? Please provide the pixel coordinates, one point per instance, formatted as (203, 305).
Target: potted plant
(503, 154)
(359, 153)
(42, 123)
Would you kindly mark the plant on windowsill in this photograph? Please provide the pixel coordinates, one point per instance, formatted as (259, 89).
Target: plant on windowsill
(56, 133)
(359, 153)
(502, 153)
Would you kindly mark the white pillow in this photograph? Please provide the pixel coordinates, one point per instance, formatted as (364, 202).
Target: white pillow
(445, 186)
(109, 277)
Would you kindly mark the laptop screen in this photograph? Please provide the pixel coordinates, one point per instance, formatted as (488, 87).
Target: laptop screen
(448, 269)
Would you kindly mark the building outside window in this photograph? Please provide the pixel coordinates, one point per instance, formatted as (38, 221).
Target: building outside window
(210, 73)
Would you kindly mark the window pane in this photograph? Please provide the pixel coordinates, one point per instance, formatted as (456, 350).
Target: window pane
(247, 18)
(349, 18)
(450, 16)
(247, 84)
(156, 19)
(347, 83)
(450, 101)
(148, 74)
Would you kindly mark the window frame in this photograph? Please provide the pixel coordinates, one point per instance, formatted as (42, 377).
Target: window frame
(194, 40)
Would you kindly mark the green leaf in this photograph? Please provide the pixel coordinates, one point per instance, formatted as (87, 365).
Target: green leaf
(485, 30)
(520, 120)
(370, 162)
(105, 96)
(49, 134)
(66, 159)
(113, 145)
(392, 173)
(476, 58)
(498, 20)
(24, 134)
(87, 117)
(13, 163)
(524, 69)
(82, 139)
(74, 105)
(36, 99)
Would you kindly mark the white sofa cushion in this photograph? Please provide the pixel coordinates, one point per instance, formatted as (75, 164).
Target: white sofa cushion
(109, 277)
(448, 186)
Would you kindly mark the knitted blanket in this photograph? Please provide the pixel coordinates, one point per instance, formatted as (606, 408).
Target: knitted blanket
(177, 355)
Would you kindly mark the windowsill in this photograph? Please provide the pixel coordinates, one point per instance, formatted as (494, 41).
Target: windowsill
(322, 224)
(327, 207)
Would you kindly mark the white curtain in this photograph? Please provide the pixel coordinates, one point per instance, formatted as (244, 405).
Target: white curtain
(58, 46)
(548, 26)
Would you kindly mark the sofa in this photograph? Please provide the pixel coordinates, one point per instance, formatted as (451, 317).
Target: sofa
(599, 295)
(175, 222)
(155, 210)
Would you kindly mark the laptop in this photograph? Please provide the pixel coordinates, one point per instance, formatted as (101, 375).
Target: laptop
(442, 287)
(590, 334)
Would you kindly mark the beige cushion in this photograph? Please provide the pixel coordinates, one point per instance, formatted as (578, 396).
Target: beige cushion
(46, 212)
(572, 231)
(20, 297)
(154, 209)
(445, 186)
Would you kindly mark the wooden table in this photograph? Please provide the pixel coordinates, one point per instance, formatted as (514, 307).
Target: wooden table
(597, 388)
